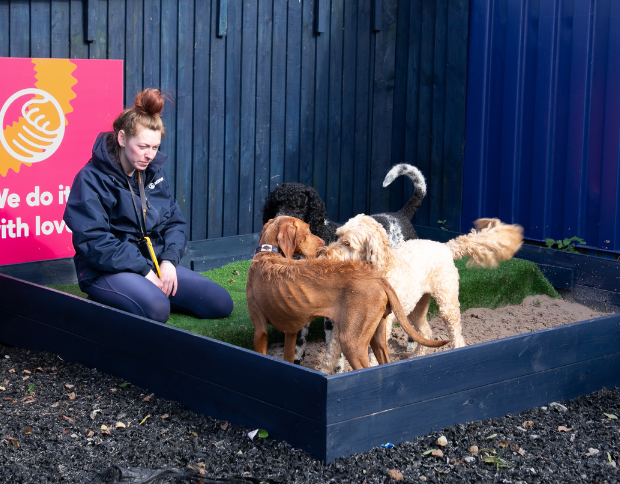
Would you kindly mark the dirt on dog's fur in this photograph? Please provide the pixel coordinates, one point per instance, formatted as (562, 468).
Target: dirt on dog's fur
(479, 325)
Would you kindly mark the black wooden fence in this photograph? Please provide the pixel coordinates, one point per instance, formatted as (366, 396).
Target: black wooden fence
(330, 93)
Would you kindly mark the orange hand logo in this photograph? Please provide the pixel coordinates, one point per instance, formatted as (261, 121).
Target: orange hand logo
(40, 130)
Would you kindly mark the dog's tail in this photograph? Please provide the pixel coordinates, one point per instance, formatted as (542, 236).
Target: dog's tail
(419, 185)
(488, 244)
(399, 312)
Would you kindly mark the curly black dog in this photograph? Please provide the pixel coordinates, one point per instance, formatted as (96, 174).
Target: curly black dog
(303, 202)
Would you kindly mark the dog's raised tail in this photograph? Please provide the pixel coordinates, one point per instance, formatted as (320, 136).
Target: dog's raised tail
(399, 312)
(488, 244)
(419, 184)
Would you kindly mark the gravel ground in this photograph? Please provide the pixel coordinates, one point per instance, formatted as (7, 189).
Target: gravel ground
(63, 422)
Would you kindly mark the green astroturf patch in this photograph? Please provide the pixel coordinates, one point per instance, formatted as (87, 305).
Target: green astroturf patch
(508, 284)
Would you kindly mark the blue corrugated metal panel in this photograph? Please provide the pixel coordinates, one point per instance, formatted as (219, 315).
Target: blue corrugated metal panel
(543, 117)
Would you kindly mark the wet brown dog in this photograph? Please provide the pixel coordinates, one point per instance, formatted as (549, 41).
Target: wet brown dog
(289, 294)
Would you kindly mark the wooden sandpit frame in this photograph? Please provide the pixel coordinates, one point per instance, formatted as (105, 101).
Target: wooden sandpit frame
(327, 416)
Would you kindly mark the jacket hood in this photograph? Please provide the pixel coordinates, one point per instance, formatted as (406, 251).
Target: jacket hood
(105, 162)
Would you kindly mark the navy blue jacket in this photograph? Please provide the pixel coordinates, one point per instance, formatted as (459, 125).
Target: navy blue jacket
(102, 217)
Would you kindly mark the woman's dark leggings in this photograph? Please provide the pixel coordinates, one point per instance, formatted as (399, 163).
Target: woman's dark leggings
(196, 295)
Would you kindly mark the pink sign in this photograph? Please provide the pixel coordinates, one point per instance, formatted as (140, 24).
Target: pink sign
(51, 112)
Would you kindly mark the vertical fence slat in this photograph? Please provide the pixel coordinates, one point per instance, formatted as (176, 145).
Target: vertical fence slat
(19, 32)
(168, 70)
(40, 19)
(217, 120)
(5, 26)
(400, 93)
(247, 207)
(263, 108)
(306, 135)
(116, 26)
(454, 135)
(363, 107)
(200, 167)
(410, 154)
(278, 94)
(383, 107)
(334, 133)
(152, 44)
(233, 106)
(321, 112)
(185, 90)
(98, 48)
(134, 46)
(347, 152)
(293, 87)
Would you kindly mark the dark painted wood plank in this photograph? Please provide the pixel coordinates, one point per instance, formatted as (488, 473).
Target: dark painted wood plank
(293, 92)
(233, 111)
(400, 103)
(334, 122)
(263, 109)
(383, 106)
(168, 72)
(200, 166)
(19, 30)
(59, 271)
(217, 123)
(40, 19)
(273, 381)
(238, 245)
(116, 34)
(152, 46)
(559, 277)
(410, 154)
(60, 30)
(496, 400)
(425, 103)
(134, 45)
(321, 112)
(435, 182)
(306, 135)
(598, 299)
(99, 47)
(79, 46)
(184, 104)
(347, 151)
(377, 15)
(192, 391)
(4, 29)
(456, 93)
(278, 96)
(247, 130)
(322, 19)
(91, 20)
(363, 108)
(222, 17)
(428, 377)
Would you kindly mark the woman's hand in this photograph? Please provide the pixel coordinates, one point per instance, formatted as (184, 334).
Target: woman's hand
(151, 276)
(168, 278)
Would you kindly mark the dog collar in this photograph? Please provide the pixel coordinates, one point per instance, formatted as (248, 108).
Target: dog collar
(267, 248)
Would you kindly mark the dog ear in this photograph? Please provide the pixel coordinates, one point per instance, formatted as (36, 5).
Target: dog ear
(287, 239)
(376, 246)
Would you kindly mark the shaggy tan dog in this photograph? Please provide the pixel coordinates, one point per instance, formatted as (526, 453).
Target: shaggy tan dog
(289, 294)
(419, 269)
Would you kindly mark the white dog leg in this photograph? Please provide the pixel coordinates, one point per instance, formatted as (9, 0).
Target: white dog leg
(300, 345)
(332, 353)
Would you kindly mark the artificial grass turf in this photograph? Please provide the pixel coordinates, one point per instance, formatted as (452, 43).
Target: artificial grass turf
(508, 284)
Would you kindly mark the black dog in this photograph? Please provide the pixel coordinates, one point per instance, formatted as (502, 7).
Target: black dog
(303, 202)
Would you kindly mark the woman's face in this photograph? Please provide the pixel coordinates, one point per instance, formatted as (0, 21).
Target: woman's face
(139, 150)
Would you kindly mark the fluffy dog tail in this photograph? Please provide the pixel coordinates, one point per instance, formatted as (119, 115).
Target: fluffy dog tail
(419, 184)
(488, 244)
(399, 312)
